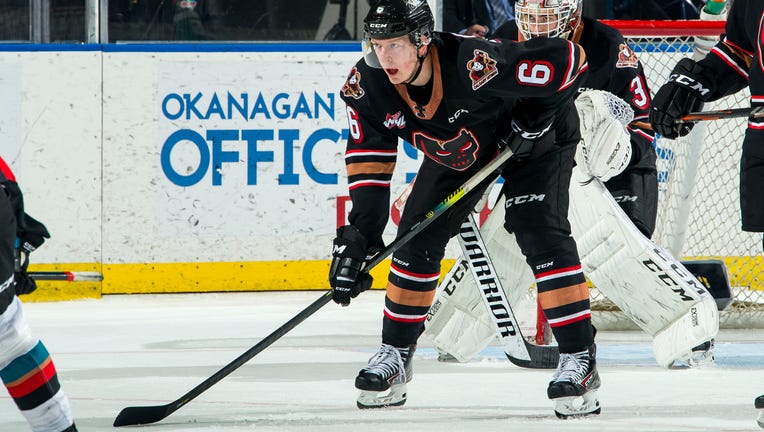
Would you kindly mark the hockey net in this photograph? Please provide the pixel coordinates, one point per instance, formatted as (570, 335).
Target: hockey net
(698, 211)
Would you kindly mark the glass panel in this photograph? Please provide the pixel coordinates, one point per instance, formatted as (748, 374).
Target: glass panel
(67, 21)
(14, 20)
(221, 20)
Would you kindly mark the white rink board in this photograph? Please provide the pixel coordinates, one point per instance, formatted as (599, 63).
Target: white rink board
(50, 134)
(84, 128)
(84, 131)
(271, 124)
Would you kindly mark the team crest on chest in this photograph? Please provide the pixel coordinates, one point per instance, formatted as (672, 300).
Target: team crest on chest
(352, 87)
(458, 153)
(626, 57)
(482, 68)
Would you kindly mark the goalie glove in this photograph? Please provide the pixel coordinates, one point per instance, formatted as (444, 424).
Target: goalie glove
(605, 148)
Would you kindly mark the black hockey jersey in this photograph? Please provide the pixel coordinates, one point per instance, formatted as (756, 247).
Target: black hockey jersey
(736, 61)
(477, 85)
(741, 45)
(613, 67)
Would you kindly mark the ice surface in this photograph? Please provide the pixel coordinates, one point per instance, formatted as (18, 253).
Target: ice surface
(139, 350)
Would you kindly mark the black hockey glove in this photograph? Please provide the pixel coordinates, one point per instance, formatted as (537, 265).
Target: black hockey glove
(28, 240)
(685, 92)
(33, 235)
(345, 275)
(23, 284)
(523, 140)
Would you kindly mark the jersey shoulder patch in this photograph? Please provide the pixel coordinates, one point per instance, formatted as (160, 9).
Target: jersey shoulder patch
(626, 57)
(352, 87)
(482, 68)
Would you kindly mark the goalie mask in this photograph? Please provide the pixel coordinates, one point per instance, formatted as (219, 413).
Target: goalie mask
(547, 18)
(390, 19)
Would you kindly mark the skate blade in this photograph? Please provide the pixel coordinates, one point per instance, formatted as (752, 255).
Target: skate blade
(577, 406)
(702, 358)
(446, 358)
(396, 396)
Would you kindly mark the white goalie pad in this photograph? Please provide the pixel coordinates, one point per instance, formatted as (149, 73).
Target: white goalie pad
(605, 148)
(458, 322)
(644, 280)
(651, 287)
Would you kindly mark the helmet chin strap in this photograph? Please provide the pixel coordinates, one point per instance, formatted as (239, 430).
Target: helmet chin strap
(420, 62)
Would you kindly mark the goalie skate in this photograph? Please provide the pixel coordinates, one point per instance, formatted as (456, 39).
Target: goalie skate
(759, 404)
(383, 381)
(702, 355)
(574, 385)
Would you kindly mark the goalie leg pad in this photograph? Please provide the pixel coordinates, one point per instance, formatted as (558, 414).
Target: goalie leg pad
(649, 285)
(636, 192)
(675, 343)
(459, 322)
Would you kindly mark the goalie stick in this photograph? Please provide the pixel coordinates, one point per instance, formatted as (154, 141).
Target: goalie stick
(66, 276)
(518, 350)
(751, 113)
(131, 416)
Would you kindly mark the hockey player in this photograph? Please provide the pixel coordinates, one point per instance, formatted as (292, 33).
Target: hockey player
(26, 367)
(460, 325)
(455, 99)
(735, 62)
(615, 68)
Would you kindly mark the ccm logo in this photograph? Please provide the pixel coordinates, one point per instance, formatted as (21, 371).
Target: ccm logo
(691, 83)
(523, 199)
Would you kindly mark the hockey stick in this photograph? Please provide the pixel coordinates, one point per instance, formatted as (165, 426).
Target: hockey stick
(751, 113)
(66, 276)
(518, 350)
(131, 416)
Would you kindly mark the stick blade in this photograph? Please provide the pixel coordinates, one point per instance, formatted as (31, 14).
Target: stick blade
(542, 357)
(132, 416)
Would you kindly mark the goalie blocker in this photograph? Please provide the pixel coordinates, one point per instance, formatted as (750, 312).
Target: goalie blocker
(651, 287)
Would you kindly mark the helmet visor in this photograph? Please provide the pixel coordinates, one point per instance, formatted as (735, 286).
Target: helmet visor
(369, 56)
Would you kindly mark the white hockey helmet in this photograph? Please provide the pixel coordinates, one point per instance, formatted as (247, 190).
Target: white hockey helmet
(547, 18)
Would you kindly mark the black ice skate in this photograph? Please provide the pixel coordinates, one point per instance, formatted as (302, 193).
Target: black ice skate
(574, 385)
(759, 404)
(389, 369)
